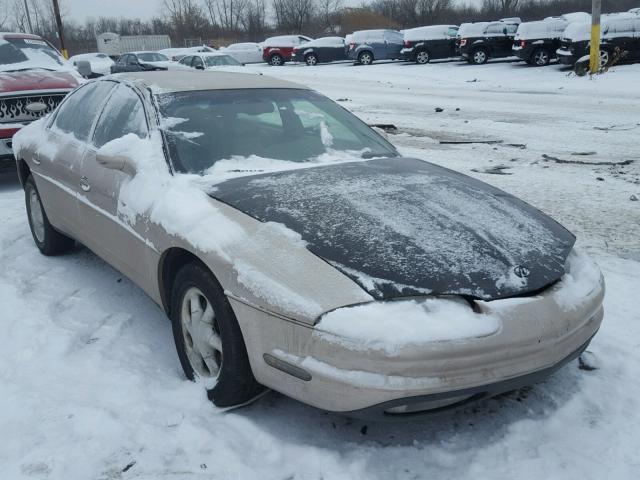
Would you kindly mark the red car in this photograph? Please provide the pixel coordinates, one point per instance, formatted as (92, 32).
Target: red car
(34, 78)
(277, 50)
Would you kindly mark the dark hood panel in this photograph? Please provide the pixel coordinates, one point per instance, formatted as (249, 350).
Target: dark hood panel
(401, 227)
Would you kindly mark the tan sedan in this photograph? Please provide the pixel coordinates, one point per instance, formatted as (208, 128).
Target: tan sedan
(293, 247)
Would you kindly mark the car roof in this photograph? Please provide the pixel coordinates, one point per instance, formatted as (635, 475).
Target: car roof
(182, 81)
(20, 35)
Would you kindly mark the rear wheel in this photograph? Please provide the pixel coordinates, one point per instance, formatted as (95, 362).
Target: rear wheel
(48, 240)
(311, 59)
(541, 57)
(365, 58)
(208, 338)
(422, 57)
(479, 56)
(276, 60)
(605, 58)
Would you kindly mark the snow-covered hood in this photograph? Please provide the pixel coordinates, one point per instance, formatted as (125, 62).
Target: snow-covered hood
(400, 227)
(37, 80)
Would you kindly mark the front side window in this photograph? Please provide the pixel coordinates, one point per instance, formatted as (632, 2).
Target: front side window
(281, 124)
(78, 112)
(152, 57)
(186, 60)
(495, 29)
(123, 114)
(197, 62)
(452, 32)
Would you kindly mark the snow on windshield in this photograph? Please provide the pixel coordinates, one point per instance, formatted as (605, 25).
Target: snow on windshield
(27, 54)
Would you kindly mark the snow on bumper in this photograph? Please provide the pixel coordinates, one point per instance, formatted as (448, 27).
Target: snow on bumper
(347, 374)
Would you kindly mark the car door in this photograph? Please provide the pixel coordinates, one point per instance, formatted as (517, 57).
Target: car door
(132, 64)
(493, 36)
(450, 49)
(186, 61)
(506, 42)
(118, 66)
(57, 161)
(394, 42)
(111, 237)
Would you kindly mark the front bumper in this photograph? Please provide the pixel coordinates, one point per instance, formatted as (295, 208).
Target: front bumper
(537, 335)
(408, 54)
(6, 141)
(566, 57)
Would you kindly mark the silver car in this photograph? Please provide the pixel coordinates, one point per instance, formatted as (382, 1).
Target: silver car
(293, 248)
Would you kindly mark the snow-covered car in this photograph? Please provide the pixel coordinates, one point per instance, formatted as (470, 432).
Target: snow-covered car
(423, 44)
(246, 52)
(320, 50)
(140, 62)
(213, 61)
(277, 50)
(294, 248)
(175, 54)
(537, 42)
(368, 46)
(619, 41)
(481, 41)
(34, 78)
(100, 63)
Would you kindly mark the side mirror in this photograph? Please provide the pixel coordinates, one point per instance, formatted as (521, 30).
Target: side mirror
(84, 68)
(199, 67)
(117, 162)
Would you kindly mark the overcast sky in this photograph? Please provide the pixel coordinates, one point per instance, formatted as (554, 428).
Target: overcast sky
(81, 9)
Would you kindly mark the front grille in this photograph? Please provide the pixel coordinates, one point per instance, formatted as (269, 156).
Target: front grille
(14, 109)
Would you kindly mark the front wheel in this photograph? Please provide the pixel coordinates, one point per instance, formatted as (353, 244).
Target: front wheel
(48, 240)
(276, 60)
(605, 59)
(365, 58)
(311, 59)
(479, 56)
(422, 57)
(208, 339)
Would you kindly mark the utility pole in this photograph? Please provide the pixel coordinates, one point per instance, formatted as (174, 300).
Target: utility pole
(594, 53)
(56, 12)
(26, 9)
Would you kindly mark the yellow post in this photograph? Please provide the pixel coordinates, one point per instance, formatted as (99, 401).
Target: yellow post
(594, 52)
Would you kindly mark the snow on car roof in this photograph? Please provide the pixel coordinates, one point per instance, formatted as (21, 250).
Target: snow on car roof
(470, 29)
(324, 41)
(428, 33)
(181, 81)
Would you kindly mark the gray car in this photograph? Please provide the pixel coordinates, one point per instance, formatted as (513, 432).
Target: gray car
(368, 46)
(293, 248)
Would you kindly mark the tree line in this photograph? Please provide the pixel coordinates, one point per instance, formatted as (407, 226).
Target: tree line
(217, 22)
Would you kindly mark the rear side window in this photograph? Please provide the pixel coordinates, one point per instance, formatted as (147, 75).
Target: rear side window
(621, 26)
(123, 114)
(452, 32)
(495, 29)
(78, 112)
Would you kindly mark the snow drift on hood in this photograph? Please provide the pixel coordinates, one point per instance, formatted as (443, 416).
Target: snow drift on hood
(403, 227)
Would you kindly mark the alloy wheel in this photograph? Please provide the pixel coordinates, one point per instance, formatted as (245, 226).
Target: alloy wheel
(276, 60)
(479, 57)
(202, 341)
(541, 58)
(311, 60)
(422, 57)
(365, 58)
(604, 58)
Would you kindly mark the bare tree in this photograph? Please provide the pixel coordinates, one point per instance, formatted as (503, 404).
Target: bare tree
(254, 21)
(329, 14)
(294, 16)
(228, 13)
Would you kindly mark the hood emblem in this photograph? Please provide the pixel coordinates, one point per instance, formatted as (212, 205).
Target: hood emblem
(36, 107)
(521, 271)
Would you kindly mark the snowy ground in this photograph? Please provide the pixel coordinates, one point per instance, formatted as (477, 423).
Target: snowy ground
(90, 386)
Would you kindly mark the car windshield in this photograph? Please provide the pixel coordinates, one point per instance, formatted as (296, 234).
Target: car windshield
(282, 124)
(28, 53)
(152, 57)
(219, 60)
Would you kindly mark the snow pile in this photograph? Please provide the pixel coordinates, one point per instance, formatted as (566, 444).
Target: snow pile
(34, 137)
(579, 283)
(390, 326)
(282, 41)
(170, 201)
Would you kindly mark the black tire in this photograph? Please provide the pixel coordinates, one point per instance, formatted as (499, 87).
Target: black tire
(235, 383)
(479, 56)
(311, 59)
(365, 58)
(423, 57)
(540, 57)
(48, 240)
(276, 60)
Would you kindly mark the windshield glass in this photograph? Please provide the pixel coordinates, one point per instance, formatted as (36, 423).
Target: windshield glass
(25, 53)
(152, 57)
(282, 124)
(218, 60)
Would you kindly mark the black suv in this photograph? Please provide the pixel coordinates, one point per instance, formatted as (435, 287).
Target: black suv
(536, 42)
(619, 40)
(423, 44)
(480, 42)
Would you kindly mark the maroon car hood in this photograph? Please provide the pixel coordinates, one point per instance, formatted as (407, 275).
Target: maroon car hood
(36, 80)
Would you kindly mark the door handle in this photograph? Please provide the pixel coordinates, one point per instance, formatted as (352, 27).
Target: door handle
(84, 184)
